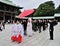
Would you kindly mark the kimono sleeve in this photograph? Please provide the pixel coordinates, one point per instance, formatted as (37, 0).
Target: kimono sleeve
(22, 31)
(13, 30)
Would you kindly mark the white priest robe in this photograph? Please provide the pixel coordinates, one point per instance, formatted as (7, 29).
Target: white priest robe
(29, 28)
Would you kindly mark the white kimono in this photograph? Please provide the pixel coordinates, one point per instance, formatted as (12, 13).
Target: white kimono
(13, 31)
(21, 30)
(29, 28)
(17, 29)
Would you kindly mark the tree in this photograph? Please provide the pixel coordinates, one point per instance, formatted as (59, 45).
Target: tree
(31, 15)
(45, 9)
(18, 11)
(57, 10)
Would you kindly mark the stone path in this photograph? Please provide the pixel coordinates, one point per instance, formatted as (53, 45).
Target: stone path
(37, 39)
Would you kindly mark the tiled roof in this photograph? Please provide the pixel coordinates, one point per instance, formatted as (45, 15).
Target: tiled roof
(9, 3)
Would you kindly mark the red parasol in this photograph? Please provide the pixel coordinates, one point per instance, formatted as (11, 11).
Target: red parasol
(25, 13)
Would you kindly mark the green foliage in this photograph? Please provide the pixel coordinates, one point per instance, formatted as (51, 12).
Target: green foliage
(18, 11)
(57, 10)
(31, 15)
(45, 9)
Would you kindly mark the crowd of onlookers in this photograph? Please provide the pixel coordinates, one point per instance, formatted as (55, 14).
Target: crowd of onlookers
(24, 27)
(30, 26)
(37, 24)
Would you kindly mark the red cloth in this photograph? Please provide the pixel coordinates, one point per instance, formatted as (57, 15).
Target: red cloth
(19, 38)
(13, 38)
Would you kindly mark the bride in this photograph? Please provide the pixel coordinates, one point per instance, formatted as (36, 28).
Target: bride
(29, 27)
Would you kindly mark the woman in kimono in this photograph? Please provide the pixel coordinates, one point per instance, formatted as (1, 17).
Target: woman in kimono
(17, 32)
(21, 29)
(13, 31)
(29, 27)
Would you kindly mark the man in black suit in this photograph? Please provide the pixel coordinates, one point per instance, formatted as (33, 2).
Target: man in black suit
(51, 29)
(34, 25)
(39, 25)
(43, 24)
(24, 25)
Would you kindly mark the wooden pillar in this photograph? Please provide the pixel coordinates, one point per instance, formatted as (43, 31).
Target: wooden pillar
(11, 17)
(4, 13)
(14, 17)
(4, 16)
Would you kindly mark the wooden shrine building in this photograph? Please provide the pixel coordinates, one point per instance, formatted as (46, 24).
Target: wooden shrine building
(8, 10)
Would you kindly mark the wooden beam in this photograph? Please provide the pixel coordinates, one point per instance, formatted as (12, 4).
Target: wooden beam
(7, 11)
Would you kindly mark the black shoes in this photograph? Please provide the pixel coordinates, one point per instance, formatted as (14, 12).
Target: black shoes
(51, 39)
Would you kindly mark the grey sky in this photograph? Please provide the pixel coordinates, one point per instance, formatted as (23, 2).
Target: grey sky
(31, 4)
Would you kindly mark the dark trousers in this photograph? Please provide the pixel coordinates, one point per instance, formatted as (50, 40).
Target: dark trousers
(43, 27)
(3, 26)
(25, 32)
(51, 35)
(0, 29)
(39, 27)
